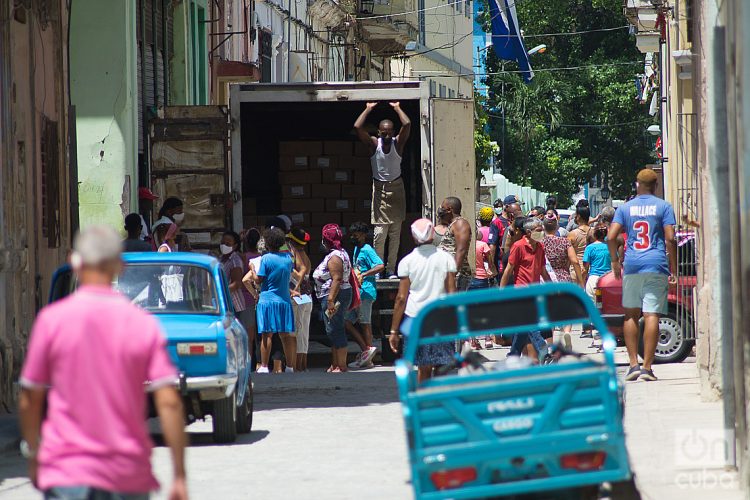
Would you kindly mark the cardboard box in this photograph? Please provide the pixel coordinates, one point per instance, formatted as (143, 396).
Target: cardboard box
(361, 150)
(337, 176)
(340, 148)
(301, 219)
(362, 176)
(290, 206)
(339, 205)
(300, 177)
(355, 163)
(349, 218)
(325, 162)
(300, 148)
(325, 190)
(320, 219)
(288, 163)
(295, 191)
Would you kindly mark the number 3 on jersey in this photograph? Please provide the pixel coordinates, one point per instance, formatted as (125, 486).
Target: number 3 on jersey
(643, 238)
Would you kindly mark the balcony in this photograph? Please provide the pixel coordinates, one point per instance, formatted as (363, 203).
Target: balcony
(389, 24)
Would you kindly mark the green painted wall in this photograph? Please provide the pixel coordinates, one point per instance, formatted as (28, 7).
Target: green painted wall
(178, 63)
(103, 89)
(189, 61)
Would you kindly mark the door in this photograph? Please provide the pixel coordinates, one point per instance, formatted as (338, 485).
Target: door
(453, 164)
(189, 160)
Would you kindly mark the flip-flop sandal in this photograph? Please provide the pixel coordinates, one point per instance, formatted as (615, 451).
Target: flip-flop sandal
(330, 369)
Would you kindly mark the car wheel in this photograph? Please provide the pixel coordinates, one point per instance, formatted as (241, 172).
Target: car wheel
(245, 412)
(672, 347)
(225, 419)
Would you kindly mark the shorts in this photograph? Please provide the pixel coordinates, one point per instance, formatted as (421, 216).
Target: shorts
(302, 325)
(335, 325)
(362, 314)
(430, 354)
(591, 286)
(646, 291)
(462, 282)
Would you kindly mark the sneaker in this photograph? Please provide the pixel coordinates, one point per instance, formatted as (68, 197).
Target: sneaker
(587, 335)
(367, 365)
(263, 369)
(648, 375)
(357, 361)
(367, 356)
(393, 276)
(289, 369)
(488, 343)
(633, 373)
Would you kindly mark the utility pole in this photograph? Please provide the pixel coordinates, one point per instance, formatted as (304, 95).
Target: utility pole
(289, 43)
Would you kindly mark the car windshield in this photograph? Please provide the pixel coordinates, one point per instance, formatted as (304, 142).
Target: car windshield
(169, 289)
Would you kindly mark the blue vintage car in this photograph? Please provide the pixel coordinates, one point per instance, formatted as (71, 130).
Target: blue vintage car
(189, 295)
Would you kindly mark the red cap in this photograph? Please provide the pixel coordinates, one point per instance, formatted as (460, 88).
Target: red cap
(145, 193)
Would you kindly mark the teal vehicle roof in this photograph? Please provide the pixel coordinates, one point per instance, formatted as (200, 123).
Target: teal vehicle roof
(185, 258)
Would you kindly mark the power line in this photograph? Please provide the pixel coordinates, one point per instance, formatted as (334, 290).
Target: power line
(565, 33)
(581, 125)
(437, 74)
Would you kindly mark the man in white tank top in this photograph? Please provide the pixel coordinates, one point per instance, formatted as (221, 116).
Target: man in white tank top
(388, 196)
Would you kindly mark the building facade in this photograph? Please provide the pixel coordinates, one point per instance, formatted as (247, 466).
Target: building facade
(37, 211)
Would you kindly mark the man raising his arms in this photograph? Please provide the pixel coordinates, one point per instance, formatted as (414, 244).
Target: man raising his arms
(649, 224)
(388, 196)
(89, 359)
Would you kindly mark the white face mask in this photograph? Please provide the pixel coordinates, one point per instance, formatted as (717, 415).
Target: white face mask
(178, 218)
(225, 249)
(537, 236)
(498, 211)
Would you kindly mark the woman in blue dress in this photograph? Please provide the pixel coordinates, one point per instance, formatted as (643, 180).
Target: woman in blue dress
(274, 307)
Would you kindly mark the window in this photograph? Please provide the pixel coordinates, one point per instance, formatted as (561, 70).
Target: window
(457, 5)
(168, 289)
(422, 23)
(433, 88)
(200, 54)
(265, 56)
(467, 10)
(50, 153)
(442, 90)
(451, 93)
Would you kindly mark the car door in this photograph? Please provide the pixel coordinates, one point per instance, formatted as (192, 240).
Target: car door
(237, 337)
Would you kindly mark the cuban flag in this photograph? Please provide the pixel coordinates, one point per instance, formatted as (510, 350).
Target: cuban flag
(506, 37)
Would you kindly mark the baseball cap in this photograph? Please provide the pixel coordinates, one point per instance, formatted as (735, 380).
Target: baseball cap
(647, 176)
(145, 193)
(422, 230)
(510, 199)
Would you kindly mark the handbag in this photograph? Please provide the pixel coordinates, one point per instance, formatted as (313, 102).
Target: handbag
(356, 298)
(171, 286)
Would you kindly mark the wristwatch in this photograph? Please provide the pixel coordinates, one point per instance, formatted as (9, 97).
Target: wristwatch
(26, 451)
(394, 332)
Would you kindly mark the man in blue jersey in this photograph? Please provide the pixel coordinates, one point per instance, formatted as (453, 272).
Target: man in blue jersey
(650, 264)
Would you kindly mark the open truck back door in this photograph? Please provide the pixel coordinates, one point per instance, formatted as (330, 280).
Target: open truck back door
(453, 161)
(189, 160)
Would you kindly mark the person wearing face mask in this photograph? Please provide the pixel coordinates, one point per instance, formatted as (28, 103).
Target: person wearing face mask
(231, 263)
(366, 264)
(173, 211)
(166, 236)
(456, 239)
(505, 213)
(388, 195)
(526, 265)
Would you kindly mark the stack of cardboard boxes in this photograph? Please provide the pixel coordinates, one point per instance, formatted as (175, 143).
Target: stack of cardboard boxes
(322, 182)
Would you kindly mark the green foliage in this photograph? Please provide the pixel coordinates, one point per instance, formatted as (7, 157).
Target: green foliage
(541, 147)
(484, 147)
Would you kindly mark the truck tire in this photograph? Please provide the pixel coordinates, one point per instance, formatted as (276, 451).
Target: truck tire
(245, 412)
(225, 419)
(672, 346)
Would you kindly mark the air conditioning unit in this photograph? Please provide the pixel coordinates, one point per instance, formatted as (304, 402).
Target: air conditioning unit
(648, 41)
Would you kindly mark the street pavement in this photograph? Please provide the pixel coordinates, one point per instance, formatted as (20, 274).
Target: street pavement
(324, 436)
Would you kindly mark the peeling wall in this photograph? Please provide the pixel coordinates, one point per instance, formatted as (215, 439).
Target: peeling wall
(104, 92)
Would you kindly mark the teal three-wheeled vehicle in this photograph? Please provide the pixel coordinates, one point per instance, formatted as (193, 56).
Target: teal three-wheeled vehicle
(497, 433)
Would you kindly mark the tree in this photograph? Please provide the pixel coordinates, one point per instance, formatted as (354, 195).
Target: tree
(570, 124)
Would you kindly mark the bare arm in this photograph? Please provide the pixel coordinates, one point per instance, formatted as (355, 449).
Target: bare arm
(399, 306)
(301, 269)
(507, 275)
(359, 125)
(403, 134)
(172, 418)
(31, 410)
(462, 232)
(450, 283)
(586, 269)
(235, 279)
(573, 259)
(612, 245)
(336, 269)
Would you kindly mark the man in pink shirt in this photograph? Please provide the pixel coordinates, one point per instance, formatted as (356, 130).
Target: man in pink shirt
(90, 356)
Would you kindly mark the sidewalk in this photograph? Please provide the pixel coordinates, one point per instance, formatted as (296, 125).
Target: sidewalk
(675, 441)
(10, 433)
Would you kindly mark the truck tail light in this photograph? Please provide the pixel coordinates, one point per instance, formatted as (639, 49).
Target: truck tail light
(447, 479)
(197, 348)
(587, 461)
(598, 298)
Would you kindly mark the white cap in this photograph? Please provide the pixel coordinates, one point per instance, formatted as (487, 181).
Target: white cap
(94, 245)
(422, 230)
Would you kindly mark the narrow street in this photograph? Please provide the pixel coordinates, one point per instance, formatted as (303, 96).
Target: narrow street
(310, 428)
